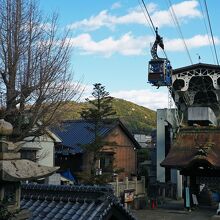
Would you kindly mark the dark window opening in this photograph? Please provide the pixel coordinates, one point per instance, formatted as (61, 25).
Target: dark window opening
(106, 162)
(29, 155)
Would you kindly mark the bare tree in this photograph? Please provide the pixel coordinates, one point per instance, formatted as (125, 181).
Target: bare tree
(34, 68)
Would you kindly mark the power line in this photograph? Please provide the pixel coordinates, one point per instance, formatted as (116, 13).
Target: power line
(206, 28)
(210, 28)
(175, 20)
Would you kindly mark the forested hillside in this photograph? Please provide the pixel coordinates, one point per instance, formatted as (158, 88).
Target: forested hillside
(137, 118)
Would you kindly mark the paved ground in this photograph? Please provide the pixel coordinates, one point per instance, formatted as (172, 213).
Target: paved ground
(174, 210)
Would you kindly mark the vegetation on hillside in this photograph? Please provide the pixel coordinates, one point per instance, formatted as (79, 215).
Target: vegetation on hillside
(138, 119)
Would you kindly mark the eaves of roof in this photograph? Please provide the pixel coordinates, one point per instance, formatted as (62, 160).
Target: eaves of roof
(196, 66)
(188, 145)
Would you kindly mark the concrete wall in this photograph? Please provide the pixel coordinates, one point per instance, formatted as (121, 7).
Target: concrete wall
(165, 117)
(46, 154)
(202, 114)
(161, 122)
(143, 140)
(137, 185)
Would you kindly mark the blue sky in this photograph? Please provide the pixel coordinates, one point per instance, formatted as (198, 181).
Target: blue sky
(111, 42)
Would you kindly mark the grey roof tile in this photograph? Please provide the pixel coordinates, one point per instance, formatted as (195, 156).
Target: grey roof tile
(76, 133)
(46, 202)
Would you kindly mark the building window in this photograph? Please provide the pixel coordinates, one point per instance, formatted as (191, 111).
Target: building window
(29, 154)
(106, 162)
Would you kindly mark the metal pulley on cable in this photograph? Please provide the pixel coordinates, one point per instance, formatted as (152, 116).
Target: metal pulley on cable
(159, 69)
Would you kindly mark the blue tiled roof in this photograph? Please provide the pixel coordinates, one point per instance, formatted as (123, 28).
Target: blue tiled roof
(47, 202)
(76, 133)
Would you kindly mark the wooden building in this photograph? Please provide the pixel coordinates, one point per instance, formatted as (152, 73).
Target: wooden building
(119, 155)
(195, 152)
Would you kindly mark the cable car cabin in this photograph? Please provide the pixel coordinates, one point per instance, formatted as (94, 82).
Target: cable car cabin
(159, 72)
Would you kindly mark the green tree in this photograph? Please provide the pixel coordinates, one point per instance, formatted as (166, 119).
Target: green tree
(98, 113)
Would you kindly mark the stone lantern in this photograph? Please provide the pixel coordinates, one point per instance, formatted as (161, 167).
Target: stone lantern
(13, 170)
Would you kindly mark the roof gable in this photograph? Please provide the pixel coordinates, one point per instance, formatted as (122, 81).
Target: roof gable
(75, 133)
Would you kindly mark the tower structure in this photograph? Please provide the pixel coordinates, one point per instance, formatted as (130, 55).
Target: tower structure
(195, 149)
(196, 91)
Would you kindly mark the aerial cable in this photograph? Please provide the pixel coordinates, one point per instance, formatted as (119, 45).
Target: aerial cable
(149, 16)
(175, 20)
(147, 19)
(150, 22)
(210, 28)
(207, 31)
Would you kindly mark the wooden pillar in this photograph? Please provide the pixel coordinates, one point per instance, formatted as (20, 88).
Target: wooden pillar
(126, 182)
(143, 183)
(117, 186)
(136, 185)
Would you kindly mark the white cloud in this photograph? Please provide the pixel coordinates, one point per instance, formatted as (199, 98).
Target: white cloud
(128, 45)
(147, 98)
(184, 11)
(116, 5)
(187, 9)
(194, 42)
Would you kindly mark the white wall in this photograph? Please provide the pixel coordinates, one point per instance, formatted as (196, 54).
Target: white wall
(44, 145)
(46, 154)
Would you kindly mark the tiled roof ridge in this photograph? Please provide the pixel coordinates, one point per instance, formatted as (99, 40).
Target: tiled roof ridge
(76, 188)
(35, 198)
(114, 201)
(89, 120)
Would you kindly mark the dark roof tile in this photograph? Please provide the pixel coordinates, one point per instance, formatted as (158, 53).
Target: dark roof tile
(76, 133)
(46, 206)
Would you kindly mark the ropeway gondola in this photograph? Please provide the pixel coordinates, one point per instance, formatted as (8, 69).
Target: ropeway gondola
(159, 69)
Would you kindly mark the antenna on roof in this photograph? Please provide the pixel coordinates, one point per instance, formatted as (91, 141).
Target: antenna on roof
(199, 58)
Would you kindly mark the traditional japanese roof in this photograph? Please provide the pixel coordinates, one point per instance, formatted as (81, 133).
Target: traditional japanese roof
(47, 202)
(76, 133)
(17, 170)
(196, 66)
(201, 144)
